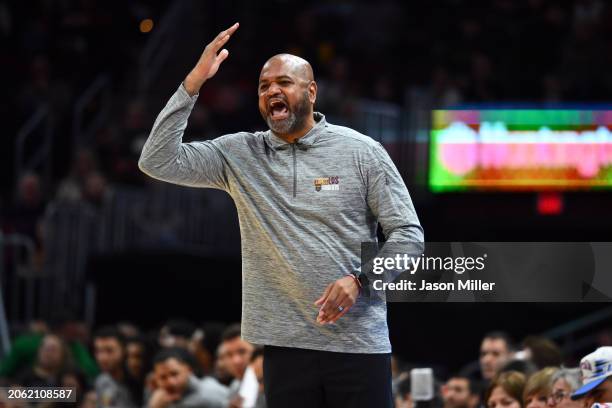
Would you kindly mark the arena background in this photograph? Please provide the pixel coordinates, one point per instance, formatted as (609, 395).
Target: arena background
(92, 238)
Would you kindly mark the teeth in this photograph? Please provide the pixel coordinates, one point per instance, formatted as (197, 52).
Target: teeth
(275, 104)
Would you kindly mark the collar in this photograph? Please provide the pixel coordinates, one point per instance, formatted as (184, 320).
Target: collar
(304, 142)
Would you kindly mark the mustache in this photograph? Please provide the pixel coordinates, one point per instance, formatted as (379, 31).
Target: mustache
(271, 102)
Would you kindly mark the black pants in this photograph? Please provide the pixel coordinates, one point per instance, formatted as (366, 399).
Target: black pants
(295, 378)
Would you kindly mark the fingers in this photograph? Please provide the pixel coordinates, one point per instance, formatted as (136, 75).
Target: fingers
(338, 298)
(334, 315)
(223, 37)
(334, 319)
(330, 312)
(219, 59)
(215, 65)
(222, 55)
(324, 311)
(322, 299)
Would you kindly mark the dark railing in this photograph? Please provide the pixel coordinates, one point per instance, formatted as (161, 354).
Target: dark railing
(162, 216)
(21, 268)
(100, 88)
(30, 154)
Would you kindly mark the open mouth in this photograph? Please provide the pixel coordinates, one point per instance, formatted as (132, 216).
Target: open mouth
(278, 109)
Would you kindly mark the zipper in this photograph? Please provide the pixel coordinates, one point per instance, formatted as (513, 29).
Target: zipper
(294, 169)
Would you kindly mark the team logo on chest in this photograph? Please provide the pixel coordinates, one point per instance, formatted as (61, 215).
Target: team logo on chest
(327, 183)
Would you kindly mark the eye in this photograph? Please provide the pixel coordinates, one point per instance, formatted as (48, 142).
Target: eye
(284, 82)
(263, 87)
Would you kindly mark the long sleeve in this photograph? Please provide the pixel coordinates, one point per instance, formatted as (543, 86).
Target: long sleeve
(165, 157)
(390, 202)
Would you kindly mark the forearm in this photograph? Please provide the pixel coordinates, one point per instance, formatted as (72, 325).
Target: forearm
(165, 157)
(163, 154)
(404, 235)
(392, 205)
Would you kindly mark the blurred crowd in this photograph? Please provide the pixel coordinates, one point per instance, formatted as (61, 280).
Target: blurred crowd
(186, 365)
(122, 366)
(532, 375)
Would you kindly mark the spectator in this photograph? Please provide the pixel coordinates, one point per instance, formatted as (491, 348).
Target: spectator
(257, 365)
(221, 371)
(128, 330)
(506, 390)
(563, 384)
(235, 354)
(72, 188)
(176, 386)
(76, 380)
(542, 352)
(96, 190)
(114, 387)
(176, 333)
(202, 344)
(24, 350)
(403, 397)
(460, 392)
(537, 388)
(25, 216)
(90, 400)
(138, 358)
(596, 378)
(53, 358)
(523, 366)
(496, 350)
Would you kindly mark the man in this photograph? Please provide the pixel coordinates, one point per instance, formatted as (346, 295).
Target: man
(257, 359)
(113, 386)
(496, 350)
(460, 392)
(403, 396)
(177, 386)
(596, 378)
(235, 355)
(308, 193)
(542, 351)
(176, 333)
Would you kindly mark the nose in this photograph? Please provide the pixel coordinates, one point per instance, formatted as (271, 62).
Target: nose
(273, 89)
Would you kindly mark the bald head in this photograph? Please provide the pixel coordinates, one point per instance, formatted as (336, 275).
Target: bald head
(287, 93)
(291, 65)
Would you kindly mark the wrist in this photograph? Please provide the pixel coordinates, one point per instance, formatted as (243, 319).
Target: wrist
(356, 281)
(192, 85)
(363, 282)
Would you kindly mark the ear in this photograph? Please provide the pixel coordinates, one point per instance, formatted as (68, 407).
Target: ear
(312, 92)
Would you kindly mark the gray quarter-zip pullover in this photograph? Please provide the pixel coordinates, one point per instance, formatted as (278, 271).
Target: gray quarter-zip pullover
(304, 209)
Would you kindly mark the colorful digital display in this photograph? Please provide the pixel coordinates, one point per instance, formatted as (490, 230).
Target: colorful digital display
(520, 149)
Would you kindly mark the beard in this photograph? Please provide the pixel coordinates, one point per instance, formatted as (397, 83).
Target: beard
(295, 120)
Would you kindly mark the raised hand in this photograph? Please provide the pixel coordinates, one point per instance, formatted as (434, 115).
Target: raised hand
(209, 61)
